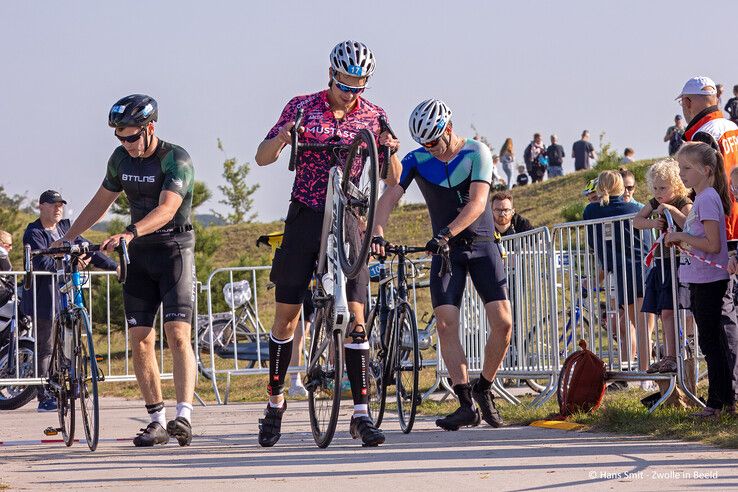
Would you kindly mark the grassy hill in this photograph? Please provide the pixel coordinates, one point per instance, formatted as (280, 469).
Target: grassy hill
(544, 204)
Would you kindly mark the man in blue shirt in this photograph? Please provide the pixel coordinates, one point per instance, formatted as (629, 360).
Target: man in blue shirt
(49, 227)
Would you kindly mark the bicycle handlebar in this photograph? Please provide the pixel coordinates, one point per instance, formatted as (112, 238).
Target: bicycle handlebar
(77, 250)
(384, 127)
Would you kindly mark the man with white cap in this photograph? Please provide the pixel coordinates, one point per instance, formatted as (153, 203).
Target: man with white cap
(707, 124)
(699, 101)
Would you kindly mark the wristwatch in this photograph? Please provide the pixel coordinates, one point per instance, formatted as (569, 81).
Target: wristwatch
(445, 232)
(132, 229)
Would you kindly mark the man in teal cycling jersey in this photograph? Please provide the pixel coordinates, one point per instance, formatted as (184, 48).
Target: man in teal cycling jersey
(454, 174)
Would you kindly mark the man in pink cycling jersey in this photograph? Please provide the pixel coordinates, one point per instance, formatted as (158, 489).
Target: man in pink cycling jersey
(334, 115)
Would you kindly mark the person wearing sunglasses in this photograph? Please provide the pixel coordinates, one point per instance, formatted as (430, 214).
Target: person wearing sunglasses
(454, 175)
(332, 115)
(157, 178)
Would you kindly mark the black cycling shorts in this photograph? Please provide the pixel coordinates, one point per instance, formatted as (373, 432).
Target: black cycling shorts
(295, 260)
(482, 261)
(161, 273)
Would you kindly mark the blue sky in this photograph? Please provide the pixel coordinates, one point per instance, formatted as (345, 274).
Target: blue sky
(225, 70)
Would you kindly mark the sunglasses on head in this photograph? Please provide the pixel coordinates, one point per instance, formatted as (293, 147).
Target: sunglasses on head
(347, 88)
(132, 138)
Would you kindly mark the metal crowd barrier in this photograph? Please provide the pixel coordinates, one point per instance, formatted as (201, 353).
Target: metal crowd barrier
(112, 350)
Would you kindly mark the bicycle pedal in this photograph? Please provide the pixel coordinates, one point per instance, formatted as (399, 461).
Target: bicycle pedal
(51, 431)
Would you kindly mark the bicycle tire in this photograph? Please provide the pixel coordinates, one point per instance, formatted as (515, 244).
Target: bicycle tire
(354, 258)
(14, 397)
(375, 369)
(87, 378)
(407, 363)
(63, 390)
(324, 375)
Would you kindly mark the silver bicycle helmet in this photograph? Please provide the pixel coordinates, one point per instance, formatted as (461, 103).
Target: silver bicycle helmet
(353, 58)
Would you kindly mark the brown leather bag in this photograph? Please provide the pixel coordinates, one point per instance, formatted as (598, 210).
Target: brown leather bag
(581, 382)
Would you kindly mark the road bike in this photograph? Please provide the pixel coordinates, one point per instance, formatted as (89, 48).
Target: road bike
(349, 216)
(392, 331)
(73, 370)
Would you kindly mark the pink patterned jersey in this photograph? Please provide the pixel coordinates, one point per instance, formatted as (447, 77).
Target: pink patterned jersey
(311, 179)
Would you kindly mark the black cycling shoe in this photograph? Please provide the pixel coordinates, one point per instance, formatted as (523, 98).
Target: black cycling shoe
(486, 403)
(462, 417)
(364, 427)
(271, 425)
(154, 433)
(181, 429)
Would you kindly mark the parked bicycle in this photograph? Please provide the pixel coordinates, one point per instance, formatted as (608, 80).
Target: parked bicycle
(73, 371)
(17, 349)
(237, 334)
(394, 355)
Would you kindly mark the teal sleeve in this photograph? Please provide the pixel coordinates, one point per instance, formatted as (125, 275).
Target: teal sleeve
(482, 167)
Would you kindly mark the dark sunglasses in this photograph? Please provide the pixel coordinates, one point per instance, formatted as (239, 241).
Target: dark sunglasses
(348, 88)
(430, 145)
(131, 139)
(630, 188)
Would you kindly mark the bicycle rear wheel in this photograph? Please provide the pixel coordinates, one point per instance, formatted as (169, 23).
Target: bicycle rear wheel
(359, 185)
(407, 366)
(324, 373)
(87, 377)
(60, 380)
(375, 371)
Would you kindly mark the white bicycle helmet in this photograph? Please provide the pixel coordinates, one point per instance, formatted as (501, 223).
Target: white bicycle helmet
(353, 58)
(429, 120)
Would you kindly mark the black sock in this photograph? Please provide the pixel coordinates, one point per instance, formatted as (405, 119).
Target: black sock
(280, 353)
(154, 407)
(463, 391)
(357, 357)
(483, 384)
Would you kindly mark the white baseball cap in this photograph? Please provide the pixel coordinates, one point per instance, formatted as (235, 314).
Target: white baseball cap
(702, 86)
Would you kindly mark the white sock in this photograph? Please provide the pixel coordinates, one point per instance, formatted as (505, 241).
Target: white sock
(361, 410)
(296, 380)
(184, 410)
(160, 416)
(276, 405)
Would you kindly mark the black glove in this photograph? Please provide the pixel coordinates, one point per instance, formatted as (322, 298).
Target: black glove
(438, 245)
(379, 241)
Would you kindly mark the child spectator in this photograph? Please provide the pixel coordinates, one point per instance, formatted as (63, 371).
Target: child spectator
(669, 194)
(701, 168)
(522, 179)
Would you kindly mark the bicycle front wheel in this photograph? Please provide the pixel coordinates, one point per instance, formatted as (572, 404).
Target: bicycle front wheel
(324, 374)
(60, 380)
(375, 371)
(359, 185)
(87, 377)
(407, 366)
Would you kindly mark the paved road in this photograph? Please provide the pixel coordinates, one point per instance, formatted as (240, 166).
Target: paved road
(225, 454)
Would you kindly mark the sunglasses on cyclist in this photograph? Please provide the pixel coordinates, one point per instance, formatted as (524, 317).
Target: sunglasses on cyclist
(348, 88)
(132, 138)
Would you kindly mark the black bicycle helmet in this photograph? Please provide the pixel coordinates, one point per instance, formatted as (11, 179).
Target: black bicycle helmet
(134, 110)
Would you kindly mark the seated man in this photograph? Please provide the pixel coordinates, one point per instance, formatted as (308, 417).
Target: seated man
(507, 221)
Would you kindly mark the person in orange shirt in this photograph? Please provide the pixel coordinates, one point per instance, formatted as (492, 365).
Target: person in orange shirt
(699, 101)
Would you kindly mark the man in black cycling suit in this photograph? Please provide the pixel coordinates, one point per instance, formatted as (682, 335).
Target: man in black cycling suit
(454, 174)
(157, 178)
(334, 115)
